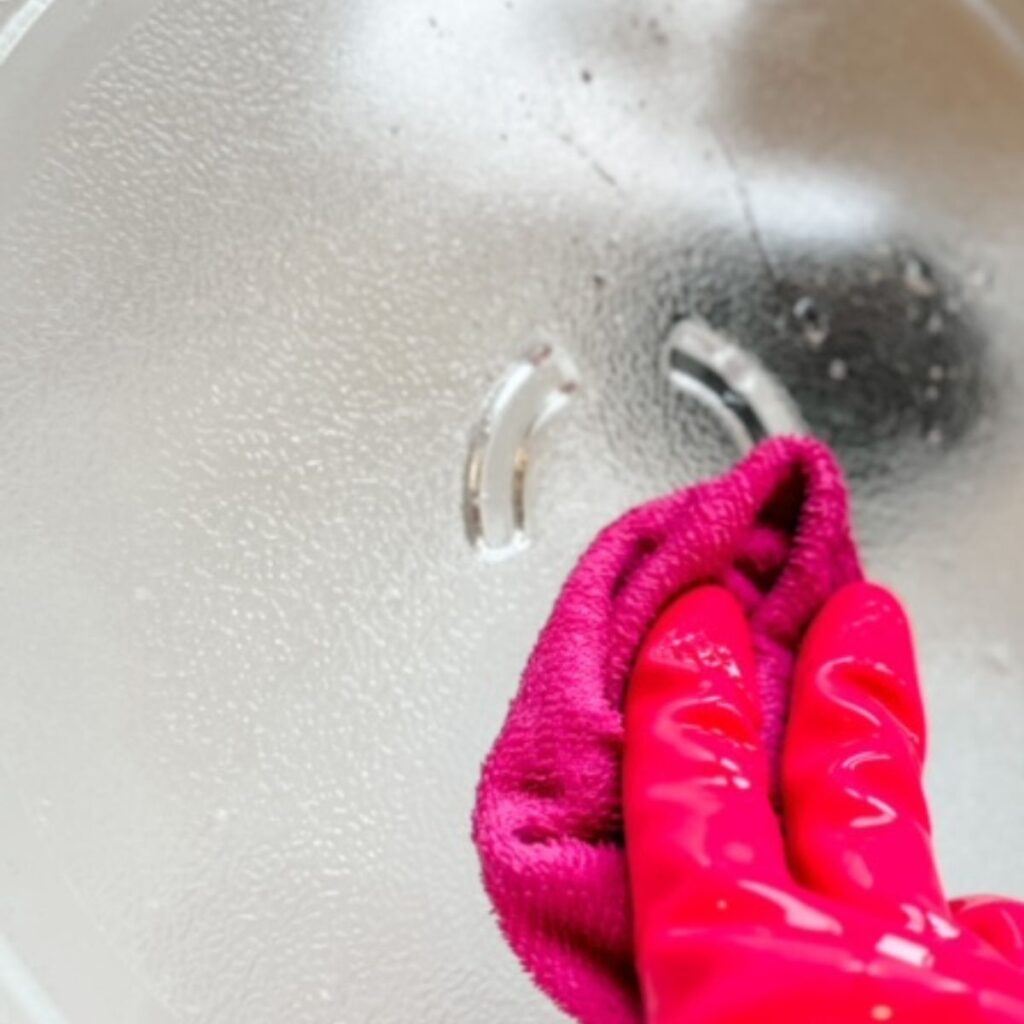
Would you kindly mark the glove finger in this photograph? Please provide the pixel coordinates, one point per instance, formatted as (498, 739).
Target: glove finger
(856, 820)
(998, 921)
(696, 786)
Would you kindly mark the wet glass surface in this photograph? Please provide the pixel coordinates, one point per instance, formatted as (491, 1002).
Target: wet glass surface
(262, 266)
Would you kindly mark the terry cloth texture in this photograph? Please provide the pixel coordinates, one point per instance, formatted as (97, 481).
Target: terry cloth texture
(548, 819)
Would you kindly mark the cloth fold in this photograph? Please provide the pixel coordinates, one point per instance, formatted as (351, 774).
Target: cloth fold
(548, 818)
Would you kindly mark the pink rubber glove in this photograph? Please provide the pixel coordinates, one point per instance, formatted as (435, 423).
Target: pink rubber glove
(833, 912)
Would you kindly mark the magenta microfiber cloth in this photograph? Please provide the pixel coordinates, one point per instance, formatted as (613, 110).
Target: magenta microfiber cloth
(548, 820)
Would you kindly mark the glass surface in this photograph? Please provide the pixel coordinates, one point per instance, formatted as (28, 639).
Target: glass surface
(262, 267)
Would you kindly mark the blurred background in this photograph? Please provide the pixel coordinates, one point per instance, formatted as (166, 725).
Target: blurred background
(287, 291)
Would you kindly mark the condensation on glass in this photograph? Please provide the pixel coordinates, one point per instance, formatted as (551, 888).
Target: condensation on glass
(261, 267)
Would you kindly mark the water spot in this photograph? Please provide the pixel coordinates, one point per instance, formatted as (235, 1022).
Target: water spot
(812, 321)
(741, 782)
(936, 372)
(918, 277)
(931, 393)
(586, 76)
(881, 1012)
(934, 437)
(694, 653)
(935, 323)
(837, 369)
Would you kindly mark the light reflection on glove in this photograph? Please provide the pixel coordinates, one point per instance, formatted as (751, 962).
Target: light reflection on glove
(831, 911)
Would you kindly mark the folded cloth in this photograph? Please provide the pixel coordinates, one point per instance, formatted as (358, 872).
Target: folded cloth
(548, 819)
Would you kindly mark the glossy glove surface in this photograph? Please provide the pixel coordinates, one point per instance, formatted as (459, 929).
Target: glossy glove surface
(832, 911)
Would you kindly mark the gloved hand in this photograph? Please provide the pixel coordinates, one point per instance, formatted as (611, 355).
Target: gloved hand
(831, 911)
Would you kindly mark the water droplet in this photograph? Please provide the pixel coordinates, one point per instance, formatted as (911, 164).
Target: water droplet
(936, 372)
(918, 278)
(935, 323)
(837, 369)
(881, 1012)
(934, 437)
(812, 320)
(931, 393)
